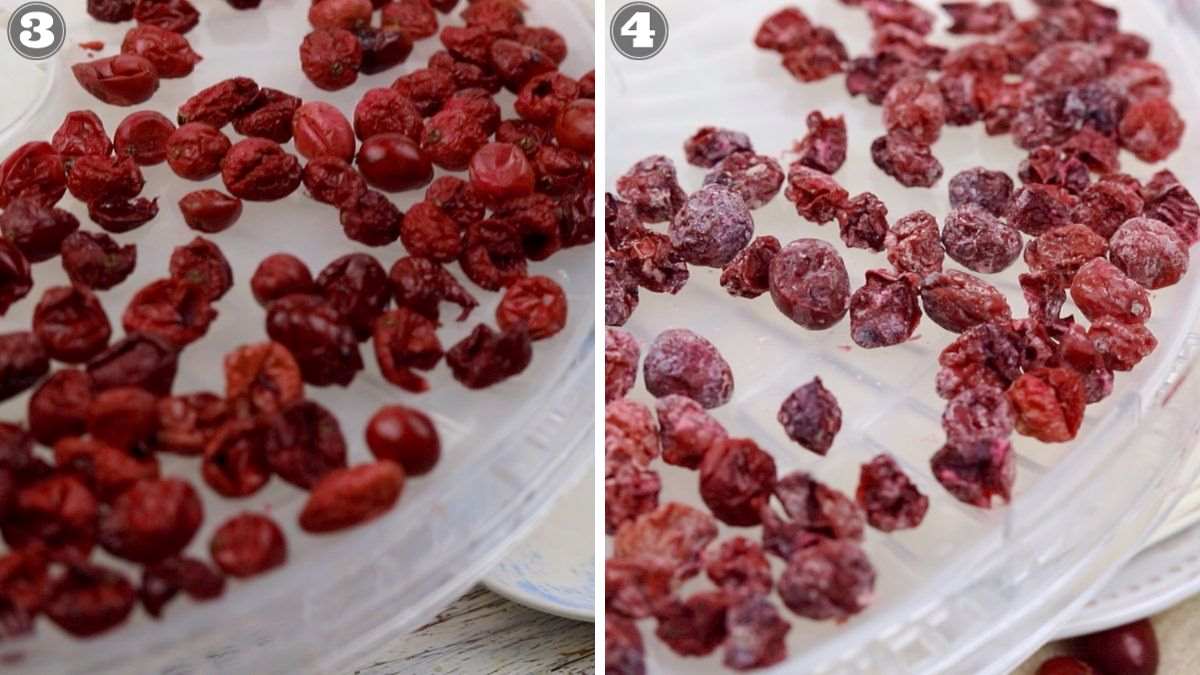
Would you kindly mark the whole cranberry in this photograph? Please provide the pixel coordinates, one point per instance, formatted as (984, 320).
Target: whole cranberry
(195, 151)
(143, 136)
(1065, 665)
(1131, 649)
(279, 275)
(405, 436)
(393, 162)
(210, 211)
(576, 126)
(500, 171)
(319, 128)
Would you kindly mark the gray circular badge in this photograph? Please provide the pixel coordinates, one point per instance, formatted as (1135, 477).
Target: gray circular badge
(36, 30)
(639, 30)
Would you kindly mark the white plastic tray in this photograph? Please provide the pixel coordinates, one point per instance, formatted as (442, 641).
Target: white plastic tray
(507, 450)
(970, 591)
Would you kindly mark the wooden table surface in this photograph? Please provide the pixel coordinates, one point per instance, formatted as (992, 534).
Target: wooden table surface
(484, 634)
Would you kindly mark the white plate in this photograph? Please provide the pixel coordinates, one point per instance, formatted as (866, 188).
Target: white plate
(553, 570)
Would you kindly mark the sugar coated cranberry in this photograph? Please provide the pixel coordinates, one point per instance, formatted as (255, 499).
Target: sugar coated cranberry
(501, 171)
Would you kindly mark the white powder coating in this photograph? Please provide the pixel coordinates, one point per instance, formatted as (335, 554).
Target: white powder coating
(809, 283)
(713, 225)
(1149, 252)
(681, 362)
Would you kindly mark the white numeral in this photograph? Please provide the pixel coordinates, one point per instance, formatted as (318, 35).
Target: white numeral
(638, 28)
(38, 36)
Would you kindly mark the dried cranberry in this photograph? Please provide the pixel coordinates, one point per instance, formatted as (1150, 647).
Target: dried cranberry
(620, 289)
(154, 519)
(978, 413)
(357, 286)
(100, 176)
(331, 180)
(958, 301)
(811, 416)
(258, 169)
(405, 340)
(23, 362)
(268, 115)
(264, 376)
(348, 497)
(990, 190)
(536, 302)
(1151, 129)
(630, 436)
(34, 171)
(278, 275)
(1149, 252)
(681, 362)
(709, 145)
(652, 187)
(686, 431)
(747, 275)
(37, 231)
(71, 324)
(59, 511)
(862, 222)
(1105, 206)
(621, 356)
(330, 59)
(218, 104)
(348, 14)
(381, 49)
(1101, 289)
(673, 534)
(575, 128)
(1121, 346)
(629, 491)
(809, 284)
(235, 463)
(393, 162)
(413, 19)
(15, 277)
(906, 159)
(248, 544)
(81, 133)
(485, 358)
(755, 178)
(317, 334)
(887, 496)
(188, 423)
(210, 211)
(319, 128)
(493, 256)
(58, 407)
(978, 19)
(164, 579)
(202, 264)
(696, 626)
(736, 479)
(385, 110)
(426, 88)
(124, 79)
(885, 310)
(420, 284)
(824, 146)
(139, 360)
(304, 443)
(95, 260)
(980, 241)
(89, 599)
(169, 51)
(405, 436)
(170, 308)
(1063, 250)
(624, 652)
(196, 151)
(975, 472)
(915, 105)
(173, 15)
(1048, 404)
(829, 580)
(914, 244)
(427, 232)
(1166, 199)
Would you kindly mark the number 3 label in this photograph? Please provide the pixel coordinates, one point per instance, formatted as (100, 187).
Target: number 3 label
(638, 28)
(38, 34)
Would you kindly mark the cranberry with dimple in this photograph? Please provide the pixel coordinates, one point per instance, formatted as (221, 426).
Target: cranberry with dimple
(501, 171)
(143, 136)
(319, 128)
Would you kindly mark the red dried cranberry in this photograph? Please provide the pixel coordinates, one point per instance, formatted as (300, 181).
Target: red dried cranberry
(413, 19)
(89, 599)
(712, 227)
(248, 544)
(980, 241)
(348, 14)
(71, 324)
(318, 336)
(195, 151)
(747, 275)
(218, 104)
(1121, 346)
(269, 115)
(169, 51)
(164, 579)
(58, 408)
(23, 362)
(888, 497)
(736, 479)
(188, 423)
(885, 310)
(319, 128)
(1151, 129)
(258, 169)
(1048, 404)
(681, 362)
(202, 264)
(81, 133)
(173, 15)
(686, 431)
(154, 519)
(210, 211)
(485, 358)
(493, 256)
(906, 159)
(37, 231)
(623, 648)
(978, 19)
(1149, 252)
(99, 176)
(348, 497)
(862, 222)
(304, 443)
(755, 178)
(111, 11)
(235, 463)
(426, 88)
(96, 261)
(405, 436)
(1101, 289)
(829, 580)
(331, 180)
(278, 275)
(34, 171)
(124, 79)
(537, 302)
(1105, 206)
(958, 301)
(914, 244)
(170, 308)
(824, 146)
(673, 534)
(811, 416)
(809, 284)
(1166, 199)
(575, 127)
(420, 284)
(621, 356)
(263, 376)
(331, 58)
(990, 190)
(122, 215)
(58, 510)
(15, 278)
(817, 196)
(653, 188)
(385, 110)
(696, 626)
(357, 286)
(381, 49)
(915, 105)
(137, 360)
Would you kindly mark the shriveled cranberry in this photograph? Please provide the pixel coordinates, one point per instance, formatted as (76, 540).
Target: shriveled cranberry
(427, 88)
(210, 211)
(1121, 346)
(58, 408)
(979, 241)
(173, 309)
(674, 534)
(1151, 129)
(887, 496)
(413, 19)
(95, 260)
(811, 416)
(1106, 205)
(100, 176)
(348, 497)
(1037, 208)
(1149, 252)
(15, 277)
(621, 356)
(405, 340)
(682, 362)
(331, 180)
(152, 520)
(686, 431)
(89, 599)
(81, 133)
(124, 79)
(202, 264)
(258, 169)
(817, 196)
(71, 324)
(623, 648)
(195, 151)
(465, 75)
(545, 96)
(263, 377)
(1101, 289)
(696, 626)
(1166, 199)
(278, 275)
(421, 284)
(304, 443)
(736, 479)
(138, 359)
(405, 436)
(169, 51)
(427, 232)
(381, 49)
(348, 14)
(748, 274)
(173, 15)
(35, 171)
(652, 186)
(23, 362)
(122, 215)
(885, 310)
(357, 286)
(493, 256)
(809, 284)
(248, 544)
(906, 159)
(575, 127)
(629, 434)
(485, 358)
(235, 463)
(990, 190)
(538, 222)
(958, 301)
(385, 110)
(1063, 250)
(111, 11)
(218, 104)
(915, 105)
(824, 146)
(188, 423)
(319, 128)
(37, 231)
(501, 171)
(331, 58)
(269, 115)
(394, 163)
(914, 244)
(536, 302)
(1048, 404)
(1131, 648)
(58, 510)
(161, 581)
(830, 580)
(318, 335)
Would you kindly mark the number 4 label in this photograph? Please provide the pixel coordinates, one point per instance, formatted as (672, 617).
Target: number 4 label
(638, 28)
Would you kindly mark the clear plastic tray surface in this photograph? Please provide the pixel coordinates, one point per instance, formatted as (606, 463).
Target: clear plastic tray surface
(507, 451)
(970, 590)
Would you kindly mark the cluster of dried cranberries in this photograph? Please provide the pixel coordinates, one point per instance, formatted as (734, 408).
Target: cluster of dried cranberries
(1073, 90)
(111, 409)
